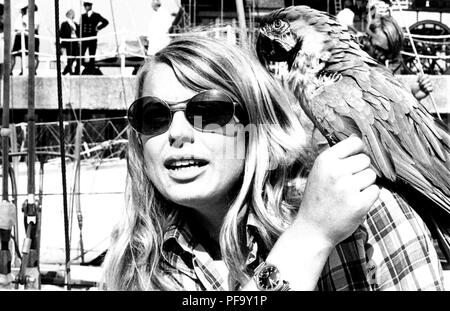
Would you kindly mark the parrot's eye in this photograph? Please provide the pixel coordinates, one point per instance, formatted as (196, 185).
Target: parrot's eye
(279, 25)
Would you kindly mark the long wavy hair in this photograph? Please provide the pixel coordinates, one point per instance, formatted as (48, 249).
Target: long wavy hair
(273, 150)
(393, 33)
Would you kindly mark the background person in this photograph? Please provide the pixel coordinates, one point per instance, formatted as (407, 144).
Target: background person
(384, 41)
(21, 26)
(69, 30)
(347, 15)
(160, 22)
(91, 23)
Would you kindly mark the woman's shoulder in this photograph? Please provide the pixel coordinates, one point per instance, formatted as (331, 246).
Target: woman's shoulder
(400, 247)
(392, 207)
(393, 218)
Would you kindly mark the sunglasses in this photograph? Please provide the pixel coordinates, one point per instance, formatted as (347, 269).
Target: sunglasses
(206, 111)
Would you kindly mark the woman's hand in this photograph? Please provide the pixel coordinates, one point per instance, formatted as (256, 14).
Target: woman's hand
(422, 88)
(339, 192)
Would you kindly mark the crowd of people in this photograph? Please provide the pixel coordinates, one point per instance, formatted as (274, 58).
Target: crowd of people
(77, 41)
(90, 24)
(79, 36)
(160, 23)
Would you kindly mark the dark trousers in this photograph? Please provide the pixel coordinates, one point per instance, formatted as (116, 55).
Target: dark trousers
(72, 49)
(91, 46)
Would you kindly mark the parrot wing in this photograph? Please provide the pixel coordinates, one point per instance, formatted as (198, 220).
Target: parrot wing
(408, 147)
(401, 137)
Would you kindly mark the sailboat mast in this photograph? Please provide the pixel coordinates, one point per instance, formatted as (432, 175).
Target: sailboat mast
(5, 231)
(241, 19)
(30, 253)
(31, 104)
(240, 13)
(6, 97)
(62, 146)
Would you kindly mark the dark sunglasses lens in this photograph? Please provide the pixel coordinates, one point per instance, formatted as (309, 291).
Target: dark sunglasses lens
(149, 116)
(210, 110)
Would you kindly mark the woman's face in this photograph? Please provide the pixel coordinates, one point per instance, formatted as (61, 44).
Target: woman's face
(378, 44)
(71, 14)
(189, 167)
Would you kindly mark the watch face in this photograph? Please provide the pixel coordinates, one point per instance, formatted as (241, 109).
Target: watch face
(268, 278)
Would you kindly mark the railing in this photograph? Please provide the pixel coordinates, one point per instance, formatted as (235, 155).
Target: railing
(443, 41)
(231, 33)
(102, 138)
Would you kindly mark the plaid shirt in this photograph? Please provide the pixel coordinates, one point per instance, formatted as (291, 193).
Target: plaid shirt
(391, 250)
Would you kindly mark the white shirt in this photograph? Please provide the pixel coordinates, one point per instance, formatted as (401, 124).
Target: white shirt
(158, 29)
(345, 17)
(223, 271)
(22, 22)
(73, 26)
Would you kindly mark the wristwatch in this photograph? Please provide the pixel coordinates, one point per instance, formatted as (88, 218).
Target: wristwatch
(267, 278)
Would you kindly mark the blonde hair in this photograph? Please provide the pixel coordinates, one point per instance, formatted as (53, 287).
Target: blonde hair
(274, 147)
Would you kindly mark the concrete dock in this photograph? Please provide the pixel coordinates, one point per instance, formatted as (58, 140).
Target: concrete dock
(116, 92)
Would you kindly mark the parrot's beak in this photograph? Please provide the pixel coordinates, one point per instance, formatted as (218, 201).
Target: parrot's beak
(270, 50)
(277, 50)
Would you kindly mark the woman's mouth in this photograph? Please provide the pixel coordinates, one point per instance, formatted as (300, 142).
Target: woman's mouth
(184, 164)
(185, 169)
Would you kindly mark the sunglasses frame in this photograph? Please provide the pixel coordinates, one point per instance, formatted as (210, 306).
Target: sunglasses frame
(179, 106)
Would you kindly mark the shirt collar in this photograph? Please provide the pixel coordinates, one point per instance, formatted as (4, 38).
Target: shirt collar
(180, 242)
(180, 233)
(178, 247)
(71, 22)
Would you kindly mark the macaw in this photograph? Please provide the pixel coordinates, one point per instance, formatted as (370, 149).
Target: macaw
(344, 91)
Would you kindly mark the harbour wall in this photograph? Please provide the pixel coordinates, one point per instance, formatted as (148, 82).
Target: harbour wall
(116, 92)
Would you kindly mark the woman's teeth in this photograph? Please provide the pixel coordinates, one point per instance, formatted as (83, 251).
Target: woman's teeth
(183, 164)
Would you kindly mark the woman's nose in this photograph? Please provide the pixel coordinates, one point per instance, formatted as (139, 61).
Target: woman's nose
(180, 131)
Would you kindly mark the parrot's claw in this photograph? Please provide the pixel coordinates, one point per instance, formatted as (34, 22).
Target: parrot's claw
(329, 76)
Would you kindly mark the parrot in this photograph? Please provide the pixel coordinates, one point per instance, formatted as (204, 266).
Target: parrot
(345, 92)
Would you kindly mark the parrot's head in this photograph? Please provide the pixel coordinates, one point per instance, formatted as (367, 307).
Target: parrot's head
(285, 32)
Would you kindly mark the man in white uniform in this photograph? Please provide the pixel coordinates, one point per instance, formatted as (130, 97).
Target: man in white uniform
(160, 21)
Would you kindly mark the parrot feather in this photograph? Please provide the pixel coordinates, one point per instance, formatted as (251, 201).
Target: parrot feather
(345, 92)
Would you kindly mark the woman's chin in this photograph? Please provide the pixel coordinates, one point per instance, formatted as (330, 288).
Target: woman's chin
(189, 197)
(187, 188)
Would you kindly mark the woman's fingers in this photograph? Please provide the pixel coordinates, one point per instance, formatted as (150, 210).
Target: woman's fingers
(364, 179)
(369, 195)
(348, 147)
(355, 163)
(428, 87)
(425, 83)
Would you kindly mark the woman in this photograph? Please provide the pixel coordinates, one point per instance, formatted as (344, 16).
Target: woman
(384, 41)
(69, 30)
(21, 26)
(213, 147)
